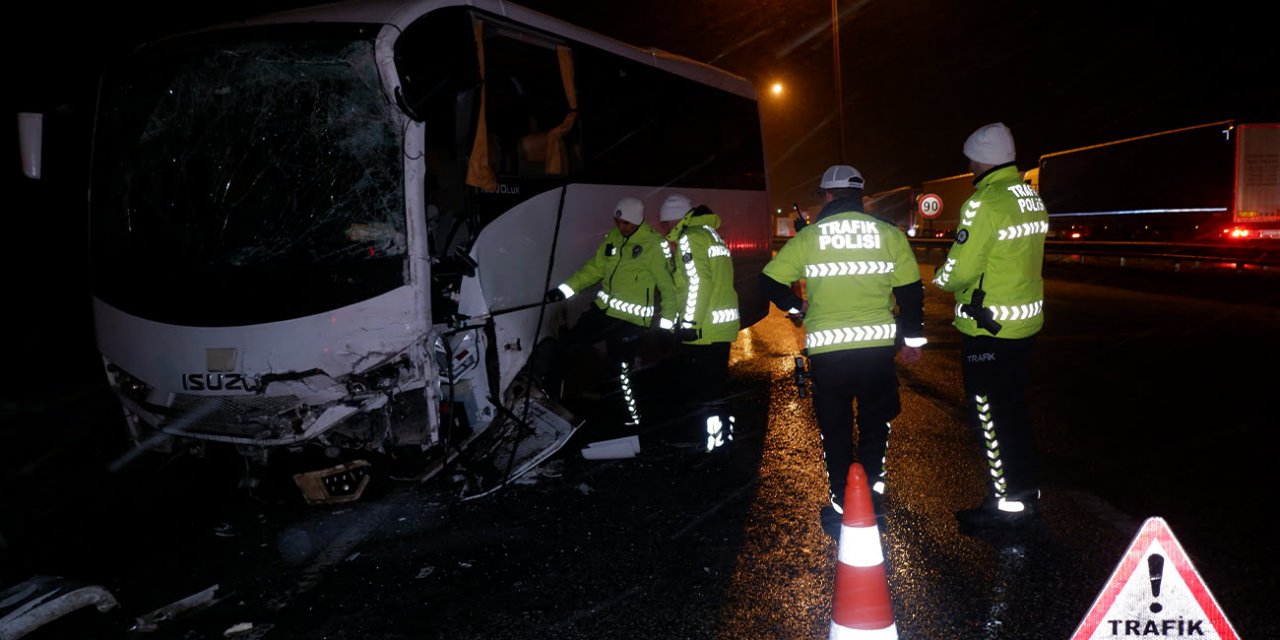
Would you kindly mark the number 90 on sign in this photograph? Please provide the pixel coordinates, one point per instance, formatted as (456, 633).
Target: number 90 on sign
(930, 205)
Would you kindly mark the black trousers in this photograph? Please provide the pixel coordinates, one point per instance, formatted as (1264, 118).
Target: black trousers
(703, 373)
(575, 346)
(996, 372)
(696, 381)
(865, 377)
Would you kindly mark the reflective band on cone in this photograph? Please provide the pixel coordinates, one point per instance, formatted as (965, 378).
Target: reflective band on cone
(861, 607)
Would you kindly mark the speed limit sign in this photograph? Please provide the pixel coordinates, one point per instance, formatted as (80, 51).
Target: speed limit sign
(930, 205)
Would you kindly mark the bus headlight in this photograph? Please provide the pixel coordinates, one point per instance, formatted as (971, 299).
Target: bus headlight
(383, 378)
(128, 385)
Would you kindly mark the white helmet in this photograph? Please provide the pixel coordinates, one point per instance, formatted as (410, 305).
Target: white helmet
(629, 209)
(674, 207)
(841, 176)
(991, 144)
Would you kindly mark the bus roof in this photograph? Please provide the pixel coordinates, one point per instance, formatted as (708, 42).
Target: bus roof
(400, 13)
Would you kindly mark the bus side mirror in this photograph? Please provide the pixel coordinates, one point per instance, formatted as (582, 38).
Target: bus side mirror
(30, 143)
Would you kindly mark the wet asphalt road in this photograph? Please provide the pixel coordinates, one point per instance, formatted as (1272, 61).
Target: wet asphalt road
(1146, 407)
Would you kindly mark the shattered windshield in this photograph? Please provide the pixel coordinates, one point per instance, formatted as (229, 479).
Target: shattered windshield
(248, 165)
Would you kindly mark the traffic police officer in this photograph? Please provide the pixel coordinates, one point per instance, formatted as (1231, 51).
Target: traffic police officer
(854, 267)
(631, 267)
(993, 268)
(703, 271)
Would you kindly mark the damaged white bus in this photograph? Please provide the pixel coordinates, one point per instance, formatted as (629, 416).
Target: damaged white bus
(332, 228)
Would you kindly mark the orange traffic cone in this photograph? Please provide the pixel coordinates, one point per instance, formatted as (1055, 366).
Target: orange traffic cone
(861, 607)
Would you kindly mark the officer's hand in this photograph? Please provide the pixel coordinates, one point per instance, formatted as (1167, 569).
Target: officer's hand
(797, 318)
(686, 334)
(554, 295)
(910, 355)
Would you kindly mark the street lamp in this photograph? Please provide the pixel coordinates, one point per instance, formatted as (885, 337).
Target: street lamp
(835, 47)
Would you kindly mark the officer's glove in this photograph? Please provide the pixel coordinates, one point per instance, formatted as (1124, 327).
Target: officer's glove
(687, 334)
(554, 295)
(796, 316)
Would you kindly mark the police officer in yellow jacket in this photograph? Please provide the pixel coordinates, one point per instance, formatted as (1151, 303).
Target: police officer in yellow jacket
(854, 267)
(993, 268)
(708, 323)
(635, 279)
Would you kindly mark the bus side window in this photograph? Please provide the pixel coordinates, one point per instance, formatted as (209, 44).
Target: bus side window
(536, 150)
(527, 108)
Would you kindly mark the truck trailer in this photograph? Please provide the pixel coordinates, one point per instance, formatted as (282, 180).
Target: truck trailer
(1215, 182)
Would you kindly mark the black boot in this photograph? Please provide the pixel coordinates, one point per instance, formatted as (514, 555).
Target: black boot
(997, 515)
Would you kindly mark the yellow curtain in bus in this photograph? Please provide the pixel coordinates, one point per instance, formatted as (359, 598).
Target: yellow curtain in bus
(479, 173)
(555, 151)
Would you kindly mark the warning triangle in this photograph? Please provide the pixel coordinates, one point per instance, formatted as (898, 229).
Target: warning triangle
(1155, 591)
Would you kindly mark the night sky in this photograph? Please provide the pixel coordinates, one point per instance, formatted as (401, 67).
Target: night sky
(917, 75)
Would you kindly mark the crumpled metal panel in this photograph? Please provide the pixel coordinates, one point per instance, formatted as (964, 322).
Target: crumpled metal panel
(29, 605)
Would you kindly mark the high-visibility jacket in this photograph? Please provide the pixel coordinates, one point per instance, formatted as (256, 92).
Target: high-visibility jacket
(629, 270)
(850, 263)
(999, 247)
(703, 270)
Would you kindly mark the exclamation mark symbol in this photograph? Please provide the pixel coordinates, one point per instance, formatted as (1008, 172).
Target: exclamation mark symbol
(1155, 564)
